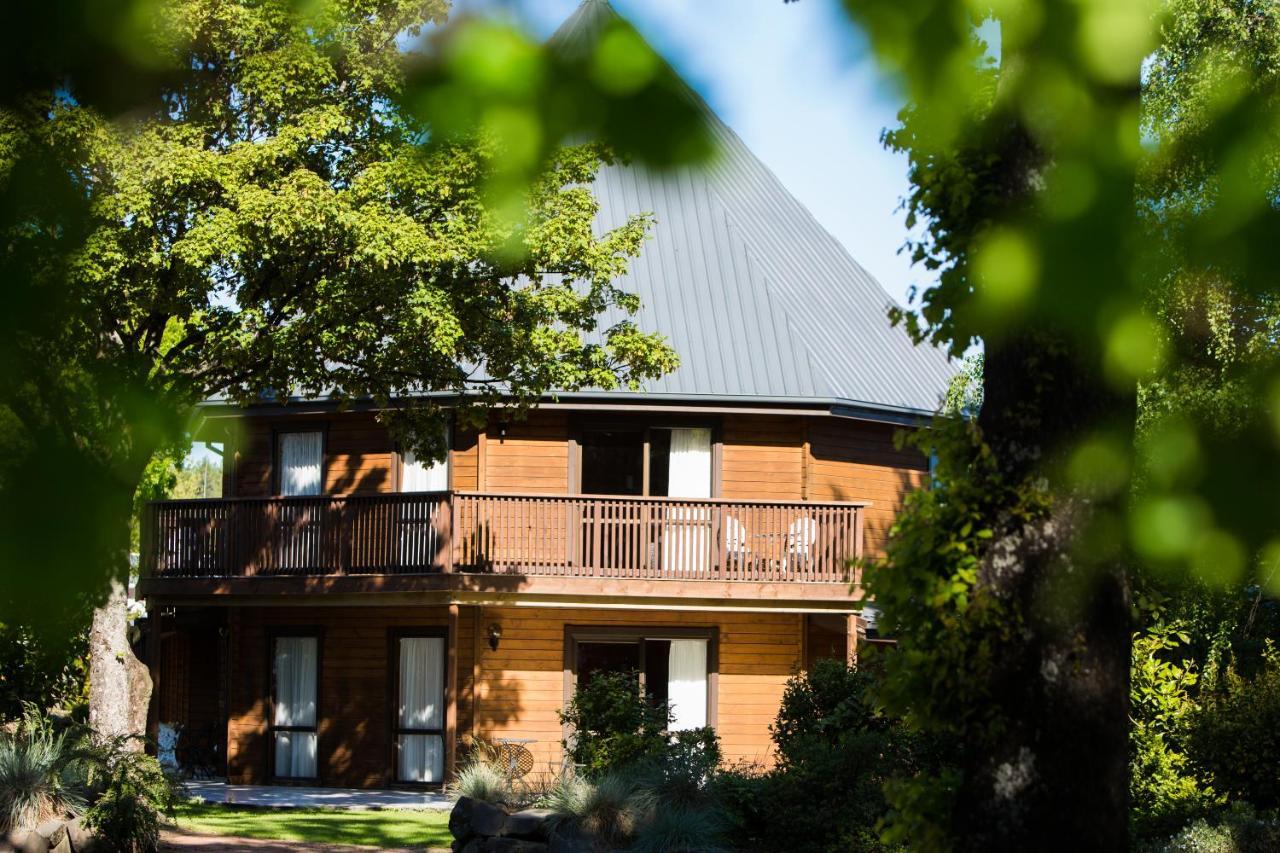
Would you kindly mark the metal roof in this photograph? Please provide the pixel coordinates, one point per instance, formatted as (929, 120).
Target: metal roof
(758, 299)
(761, 303)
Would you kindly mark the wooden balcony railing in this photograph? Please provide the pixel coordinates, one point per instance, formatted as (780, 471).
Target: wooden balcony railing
(552, 535)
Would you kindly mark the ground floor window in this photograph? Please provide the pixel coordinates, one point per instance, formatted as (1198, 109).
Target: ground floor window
(675, 665)
(419, 735)
(295, 671)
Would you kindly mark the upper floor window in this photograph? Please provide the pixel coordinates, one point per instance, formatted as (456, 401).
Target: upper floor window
(300, 460)
(660, 461)
(418, 475)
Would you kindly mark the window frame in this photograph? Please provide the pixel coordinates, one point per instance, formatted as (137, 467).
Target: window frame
(394, 636)
(575, 634)
(398, 460)
(276, 433)
(287, 632)
(645, 427)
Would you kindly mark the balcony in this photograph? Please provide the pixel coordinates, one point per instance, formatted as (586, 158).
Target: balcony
(470, 535)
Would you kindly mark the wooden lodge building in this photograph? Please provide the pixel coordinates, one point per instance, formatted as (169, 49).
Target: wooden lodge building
(346, 615)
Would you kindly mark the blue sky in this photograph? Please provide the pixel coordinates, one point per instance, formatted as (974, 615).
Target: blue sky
(795, 82)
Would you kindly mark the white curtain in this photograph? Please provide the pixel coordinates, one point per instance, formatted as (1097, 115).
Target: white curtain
(689, 464)
(418, 544)
(687, 538)
(300, 458)
(687, 684)
(418, 476)
(420, 758)
(295, 676)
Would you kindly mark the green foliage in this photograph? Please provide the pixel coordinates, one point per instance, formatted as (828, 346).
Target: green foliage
(1234, 737)
(835, 749)
(614, 724)
(951, 631)
(48, 672)
(134, 792)
(203, 479)
(680, 830)
(1164, 792)
(483, 781)
(41, 773)
(1238, 831)
(608, 807)
(274, 227)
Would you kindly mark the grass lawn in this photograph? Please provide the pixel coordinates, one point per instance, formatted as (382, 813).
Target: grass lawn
(381, 828)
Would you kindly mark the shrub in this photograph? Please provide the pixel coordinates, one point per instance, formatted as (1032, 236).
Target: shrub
(40, 774)
(1164, 792)
(680, 830)
(135, 791)
(1240, 831)
(615, 725)
(1234, 737)
(834, 749)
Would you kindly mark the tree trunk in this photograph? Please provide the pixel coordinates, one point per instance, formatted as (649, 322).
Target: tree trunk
(119, 683)
(1058, 777)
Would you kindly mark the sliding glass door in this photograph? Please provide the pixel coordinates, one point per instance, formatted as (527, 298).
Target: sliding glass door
(419, 743)
(295, 671)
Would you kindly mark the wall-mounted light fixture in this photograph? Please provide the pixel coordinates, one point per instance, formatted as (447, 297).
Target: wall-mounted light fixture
(502, 431)
(495, 634)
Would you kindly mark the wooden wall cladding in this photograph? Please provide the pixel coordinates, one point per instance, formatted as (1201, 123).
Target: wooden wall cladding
(858, 461)
(519, 691)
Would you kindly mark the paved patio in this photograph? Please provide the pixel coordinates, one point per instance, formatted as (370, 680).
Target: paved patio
(288, 796)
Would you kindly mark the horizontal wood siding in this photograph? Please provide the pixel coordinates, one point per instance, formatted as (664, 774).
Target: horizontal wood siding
(522, 683)
(355, 689)
(533, 456)
(358, 453)
(858, 461)
(763, 458)
(519, 693)
(465, 461)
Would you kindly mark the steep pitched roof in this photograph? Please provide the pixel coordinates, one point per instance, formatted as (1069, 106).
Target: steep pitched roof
(758, 299)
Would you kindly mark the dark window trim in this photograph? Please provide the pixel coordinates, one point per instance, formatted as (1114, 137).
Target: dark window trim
(394, 636)
(273, 634)
(574, 634)
(277, 431)
(645, 425)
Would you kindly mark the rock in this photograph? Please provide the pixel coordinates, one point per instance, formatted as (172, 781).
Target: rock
(33, 842)
(470, 818)
(531, 824)
(82, 840)
(53, 831)
(568, 840)
(63, 846)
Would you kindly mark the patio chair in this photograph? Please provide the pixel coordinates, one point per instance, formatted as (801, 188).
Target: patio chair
(801, 535)
(736, 550)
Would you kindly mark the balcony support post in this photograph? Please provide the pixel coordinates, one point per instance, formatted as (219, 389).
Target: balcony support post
(448, 524)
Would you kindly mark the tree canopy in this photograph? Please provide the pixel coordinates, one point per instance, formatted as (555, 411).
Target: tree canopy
(277, 225)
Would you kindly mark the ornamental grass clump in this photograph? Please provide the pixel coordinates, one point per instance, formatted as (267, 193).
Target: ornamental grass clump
(483, 781)
(608, 809)
(40, 775)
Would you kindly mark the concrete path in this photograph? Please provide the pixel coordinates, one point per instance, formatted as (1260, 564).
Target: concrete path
(287, 796)
(176, 841)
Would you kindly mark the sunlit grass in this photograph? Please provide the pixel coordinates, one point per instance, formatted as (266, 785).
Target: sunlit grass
(374, 828)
